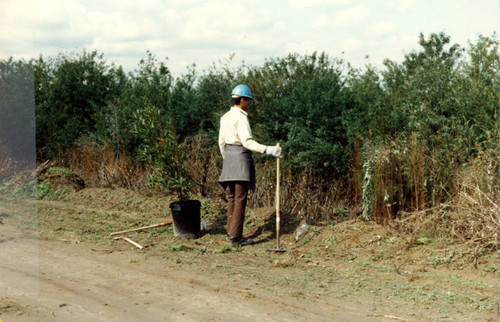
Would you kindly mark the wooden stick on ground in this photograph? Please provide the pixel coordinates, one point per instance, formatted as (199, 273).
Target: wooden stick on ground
(140, 228)
(130, 241)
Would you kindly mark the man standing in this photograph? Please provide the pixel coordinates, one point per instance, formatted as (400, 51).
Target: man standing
(238, 172)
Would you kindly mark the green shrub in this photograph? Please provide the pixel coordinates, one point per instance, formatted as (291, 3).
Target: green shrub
(159, 149)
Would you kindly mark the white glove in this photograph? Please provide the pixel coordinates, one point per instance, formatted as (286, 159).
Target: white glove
(275, 151)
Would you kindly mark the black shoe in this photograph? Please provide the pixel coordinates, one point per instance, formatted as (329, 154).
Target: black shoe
(238, 241)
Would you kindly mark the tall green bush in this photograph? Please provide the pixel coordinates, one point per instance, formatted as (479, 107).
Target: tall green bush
(440, 106)
(400, 131)
(159, 148)
(69, 92)
(17, 121)
(300, 101)
(149, 85)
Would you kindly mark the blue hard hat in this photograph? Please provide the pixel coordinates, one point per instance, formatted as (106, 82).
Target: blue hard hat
(242, 90)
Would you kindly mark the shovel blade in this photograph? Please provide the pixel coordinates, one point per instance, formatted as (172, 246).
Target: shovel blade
(276, 250)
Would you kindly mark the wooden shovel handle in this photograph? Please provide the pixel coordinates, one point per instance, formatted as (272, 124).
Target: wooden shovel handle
(277, 191)
(140, 228)
(278, 202)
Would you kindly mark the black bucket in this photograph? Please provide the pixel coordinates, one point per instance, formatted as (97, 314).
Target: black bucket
(186, 218)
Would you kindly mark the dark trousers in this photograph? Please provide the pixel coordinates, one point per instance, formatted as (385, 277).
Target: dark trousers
(237, 202)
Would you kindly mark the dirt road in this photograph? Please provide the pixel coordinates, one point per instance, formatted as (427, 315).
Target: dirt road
(58, 281)
(65, 268)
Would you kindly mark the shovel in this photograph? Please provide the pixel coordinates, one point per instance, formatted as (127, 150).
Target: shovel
(140, 228)
(277, 249)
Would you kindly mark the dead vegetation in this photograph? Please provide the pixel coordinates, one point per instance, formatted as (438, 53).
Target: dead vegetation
(11, 167)
(416, 260)
(100, 166)
(469, 214)
(472, 214)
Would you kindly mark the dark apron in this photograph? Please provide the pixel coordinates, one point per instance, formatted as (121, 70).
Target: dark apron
(238, 165)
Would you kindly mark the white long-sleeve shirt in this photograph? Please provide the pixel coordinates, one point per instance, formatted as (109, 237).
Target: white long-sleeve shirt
(235, 129)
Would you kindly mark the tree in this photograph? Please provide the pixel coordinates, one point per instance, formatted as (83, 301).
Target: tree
(69, 91)
(17, 122)
(300, 100)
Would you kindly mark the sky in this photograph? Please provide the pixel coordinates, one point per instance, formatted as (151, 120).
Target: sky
(207, 32)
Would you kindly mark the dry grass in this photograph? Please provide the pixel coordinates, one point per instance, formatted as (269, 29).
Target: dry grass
(6, 165)
(471, 215)
(11, 167)
(393, 177)
(100, 166)
(202, 166)
(476, 207)
(312, 199)
(302, 197)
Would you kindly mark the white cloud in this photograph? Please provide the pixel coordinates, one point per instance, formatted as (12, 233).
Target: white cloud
(381, 28)
(351, 44)
(402, 6)
(226, 27)
(305, 4)
(349, 17)
(205, 31)
(29, 26)
(352, 16)
(405, 5)
(28, 12)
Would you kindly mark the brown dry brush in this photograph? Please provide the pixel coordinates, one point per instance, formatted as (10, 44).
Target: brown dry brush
(6, 164)
(100, 166)
(303, 196)
(355, 183)
(475, 212)
(471, 214)
(314, 199)
(416, 193)
(405, 178)
(202, 161)
(400, 178)
(15, 168)
(387, 201)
